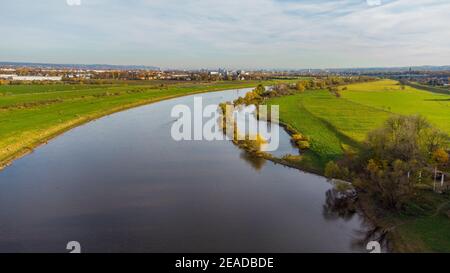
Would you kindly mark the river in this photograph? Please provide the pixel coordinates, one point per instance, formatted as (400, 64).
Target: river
(122, 184)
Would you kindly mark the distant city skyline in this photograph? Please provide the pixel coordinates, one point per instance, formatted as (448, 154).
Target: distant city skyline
(248, 34)
(86, 66)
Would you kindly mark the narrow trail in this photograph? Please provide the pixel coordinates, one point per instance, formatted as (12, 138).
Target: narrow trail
(435, 214)
(439, 208)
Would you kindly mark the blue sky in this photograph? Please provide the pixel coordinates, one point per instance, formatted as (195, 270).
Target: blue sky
(228, 33)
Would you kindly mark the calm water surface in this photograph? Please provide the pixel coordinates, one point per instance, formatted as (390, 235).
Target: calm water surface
(121, 184)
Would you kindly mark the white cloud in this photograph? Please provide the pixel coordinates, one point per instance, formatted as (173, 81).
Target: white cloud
(374, 2)
(73, 2)
(246, 33)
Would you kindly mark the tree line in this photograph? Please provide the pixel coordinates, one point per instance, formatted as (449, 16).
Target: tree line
(260, 93)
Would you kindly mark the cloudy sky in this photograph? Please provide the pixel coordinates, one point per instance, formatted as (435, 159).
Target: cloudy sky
(228, 33)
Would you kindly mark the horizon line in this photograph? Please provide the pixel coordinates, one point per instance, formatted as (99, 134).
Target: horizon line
(219, 67)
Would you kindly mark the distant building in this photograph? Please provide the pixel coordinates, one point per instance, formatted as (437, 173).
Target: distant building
(30, 78)
(7, 76)
(184, 77)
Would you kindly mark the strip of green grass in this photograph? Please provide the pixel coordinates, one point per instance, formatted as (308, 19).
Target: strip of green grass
(36, 88)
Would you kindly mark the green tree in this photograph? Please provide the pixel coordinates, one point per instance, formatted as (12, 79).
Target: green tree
(406, 138)
(402, 147)
(332, 170)
(260, 90)
(440, 157)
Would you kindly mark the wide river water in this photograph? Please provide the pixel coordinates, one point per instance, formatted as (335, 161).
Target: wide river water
(122, 184)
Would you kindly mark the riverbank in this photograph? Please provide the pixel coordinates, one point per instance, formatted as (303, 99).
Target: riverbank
(32, 115)
(174, 196)
(338, 125)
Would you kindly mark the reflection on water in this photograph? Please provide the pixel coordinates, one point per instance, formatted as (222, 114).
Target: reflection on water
(122, 184)
(256, 163)
(248, 124)
(339, 206)
(336, 207)
(372, 233)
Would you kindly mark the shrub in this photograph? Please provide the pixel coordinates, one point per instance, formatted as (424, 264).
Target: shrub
(332, 170)
(304, 145)
(292, 158)
(300, 87)
(297, 137)
(440, 156)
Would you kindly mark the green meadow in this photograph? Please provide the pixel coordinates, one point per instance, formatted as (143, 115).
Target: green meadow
(335, 124)
(32, 114)
(388, 96)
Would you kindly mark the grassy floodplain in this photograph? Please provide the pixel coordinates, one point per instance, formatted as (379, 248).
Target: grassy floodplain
(32, 114)
(336, 124)
(386, 96)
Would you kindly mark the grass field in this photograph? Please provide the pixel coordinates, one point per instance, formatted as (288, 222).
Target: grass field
(426, 234)
(334, 124)
(387, 96)
(32, 114)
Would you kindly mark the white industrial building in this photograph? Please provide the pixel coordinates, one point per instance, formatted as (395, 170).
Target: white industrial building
(30, 78)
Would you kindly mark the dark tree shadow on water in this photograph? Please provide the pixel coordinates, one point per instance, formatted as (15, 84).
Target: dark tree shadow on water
(371, 233)
(256, 163)
(343, 206)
